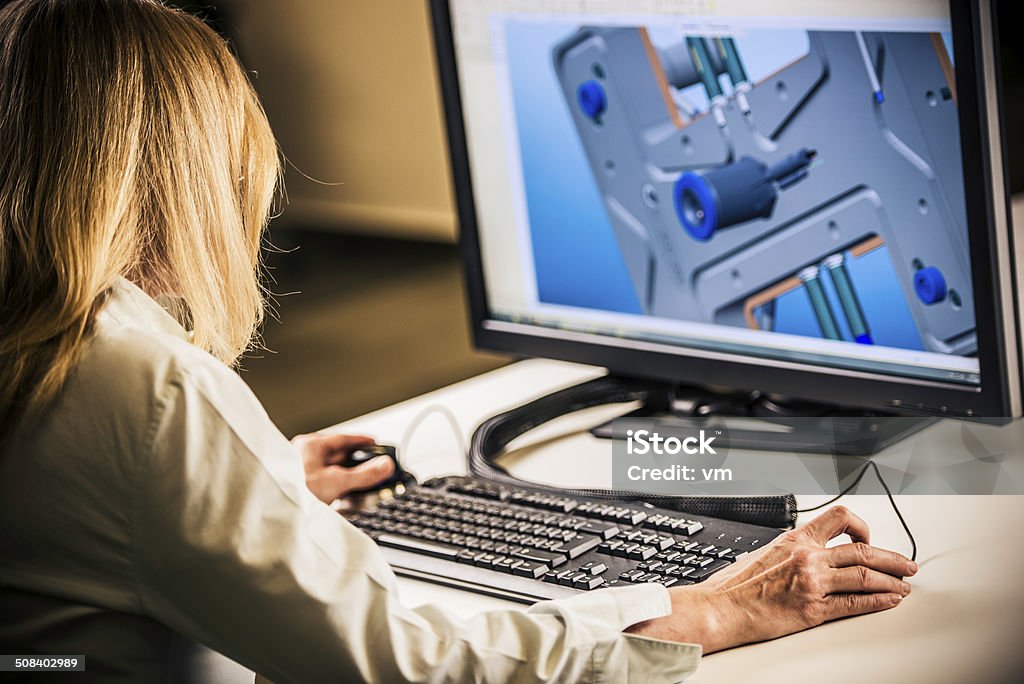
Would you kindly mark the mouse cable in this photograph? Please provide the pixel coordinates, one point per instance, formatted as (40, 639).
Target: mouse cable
(888, 492)
(416, 422)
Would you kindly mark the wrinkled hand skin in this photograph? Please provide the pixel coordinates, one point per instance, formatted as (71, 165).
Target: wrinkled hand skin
(789, 585)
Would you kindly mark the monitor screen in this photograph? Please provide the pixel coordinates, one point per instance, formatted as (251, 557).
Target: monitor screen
(772, 181)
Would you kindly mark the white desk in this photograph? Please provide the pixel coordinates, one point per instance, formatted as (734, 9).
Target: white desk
(963, 622)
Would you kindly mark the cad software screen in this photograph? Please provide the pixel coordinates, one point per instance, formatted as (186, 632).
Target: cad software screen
(734, 176)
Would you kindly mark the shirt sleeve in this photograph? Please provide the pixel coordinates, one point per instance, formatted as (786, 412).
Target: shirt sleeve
(232, 550)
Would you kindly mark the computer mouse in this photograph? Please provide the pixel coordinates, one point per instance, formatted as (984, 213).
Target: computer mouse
(367, 453)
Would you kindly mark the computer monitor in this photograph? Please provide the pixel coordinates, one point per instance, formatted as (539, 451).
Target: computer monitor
(801, 198)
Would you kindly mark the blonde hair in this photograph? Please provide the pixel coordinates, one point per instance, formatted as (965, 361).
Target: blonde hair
(132, 145)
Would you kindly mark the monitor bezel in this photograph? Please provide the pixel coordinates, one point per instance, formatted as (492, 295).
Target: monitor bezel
(986, 191)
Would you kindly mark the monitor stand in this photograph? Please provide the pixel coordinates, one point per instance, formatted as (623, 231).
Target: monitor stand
(766, 423)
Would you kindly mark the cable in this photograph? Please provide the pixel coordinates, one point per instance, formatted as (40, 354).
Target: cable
(416, 422)
(888, 492)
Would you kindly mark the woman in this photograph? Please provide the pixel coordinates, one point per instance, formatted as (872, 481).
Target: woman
(145, 497)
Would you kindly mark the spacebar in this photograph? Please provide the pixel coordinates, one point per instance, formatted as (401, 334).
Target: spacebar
(418, 546)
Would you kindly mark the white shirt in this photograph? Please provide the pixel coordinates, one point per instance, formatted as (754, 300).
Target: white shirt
(155, 505)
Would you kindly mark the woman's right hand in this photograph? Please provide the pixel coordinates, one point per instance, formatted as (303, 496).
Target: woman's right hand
(791, 584)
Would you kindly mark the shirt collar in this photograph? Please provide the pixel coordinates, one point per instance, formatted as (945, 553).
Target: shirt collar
(127, 304)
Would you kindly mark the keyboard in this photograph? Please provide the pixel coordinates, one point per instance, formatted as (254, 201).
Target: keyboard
(529, 545)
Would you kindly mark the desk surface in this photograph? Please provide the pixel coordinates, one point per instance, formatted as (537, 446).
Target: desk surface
(962, 622)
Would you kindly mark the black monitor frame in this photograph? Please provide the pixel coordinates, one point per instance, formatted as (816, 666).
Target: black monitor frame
(991, 247)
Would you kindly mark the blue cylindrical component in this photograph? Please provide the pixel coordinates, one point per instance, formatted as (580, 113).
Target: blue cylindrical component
(848, 298)
(704, 67)
(696, 205)
(723, 197)
(734, 193)
(930, 285)
(592, 98)
(731, 57)
(819, 303)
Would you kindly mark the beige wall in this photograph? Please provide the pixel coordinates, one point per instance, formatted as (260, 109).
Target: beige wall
(350, 88)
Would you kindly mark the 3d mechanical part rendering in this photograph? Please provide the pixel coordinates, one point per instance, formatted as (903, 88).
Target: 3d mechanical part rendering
(863, 122)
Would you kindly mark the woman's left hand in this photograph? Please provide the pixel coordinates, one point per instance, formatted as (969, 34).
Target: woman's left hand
(323, 456)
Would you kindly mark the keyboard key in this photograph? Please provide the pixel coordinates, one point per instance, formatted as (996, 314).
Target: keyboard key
(468, 556)
(689, 528)
(632, 517)
(505, 564)
(703, 573)
(593, 568)
(588, 582)
(477, 489)
(662, 543)
(541, 557)
(528, 569)
(575, 577)
(673, 525)
(563, 505)
(421, 546)
(577, 547)
(654, 521)
(631, 575)
(484, 560)
(642, 553)
(567, 577)
(667, 581)
(600, 529)
(551, 576)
